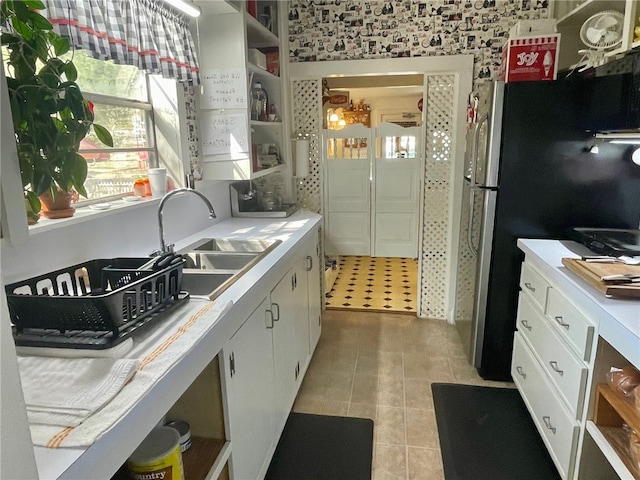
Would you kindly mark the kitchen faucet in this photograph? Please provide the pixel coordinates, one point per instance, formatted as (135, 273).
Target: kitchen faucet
(164, 248)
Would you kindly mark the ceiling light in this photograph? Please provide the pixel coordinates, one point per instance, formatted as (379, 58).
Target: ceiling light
(635, 156)
(187, 7)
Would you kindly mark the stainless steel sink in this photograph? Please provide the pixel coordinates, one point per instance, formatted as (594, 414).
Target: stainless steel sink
(232, 245)
(206, 284)
(214, 264)
(218, 260)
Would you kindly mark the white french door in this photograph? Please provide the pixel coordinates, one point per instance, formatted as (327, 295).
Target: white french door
(396, 191)
(373, 194)
(348, 191)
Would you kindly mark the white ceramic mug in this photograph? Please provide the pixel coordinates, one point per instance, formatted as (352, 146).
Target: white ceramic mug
(158, 181)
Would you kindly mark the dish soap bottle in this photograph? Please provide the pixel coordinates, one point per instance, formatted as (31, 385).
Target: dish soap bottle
(259, 103)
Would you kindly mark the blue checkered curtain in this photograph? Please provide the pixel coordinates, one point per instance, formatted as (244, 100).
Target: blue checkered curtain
(145, 33)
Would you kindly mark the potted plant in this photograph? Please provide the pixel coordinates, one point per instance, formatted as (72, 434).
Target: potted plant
(50, 114)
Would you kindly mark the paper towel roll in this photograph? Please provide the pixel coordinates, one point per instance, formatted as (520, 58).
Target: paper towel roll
(302, 158)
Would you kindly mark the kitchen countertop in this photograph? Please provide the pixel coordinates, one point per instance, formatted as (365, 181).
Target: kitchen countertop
(618, 319)
(122, 439)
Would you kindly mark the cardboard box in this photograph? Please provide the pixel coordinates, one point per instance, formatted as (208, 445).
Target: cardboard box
(530, 58)
(528, 28)
(273, 60)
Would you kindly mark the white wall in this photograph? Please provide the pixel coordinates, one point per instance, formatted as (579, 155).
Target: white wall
(133, 232)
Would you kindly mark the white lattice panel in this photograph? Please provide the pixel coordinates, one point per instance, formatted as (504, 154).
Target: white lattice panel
(306, 95)
(438, 164)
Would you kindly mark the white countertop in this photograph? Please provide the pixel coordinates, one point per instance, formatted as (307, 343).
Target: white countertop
(618, 319)
(111, 450)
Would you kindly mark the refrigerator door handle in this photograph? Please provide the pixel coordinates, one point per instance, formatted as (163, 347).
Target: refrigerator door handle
(470, 218)
(475, 149)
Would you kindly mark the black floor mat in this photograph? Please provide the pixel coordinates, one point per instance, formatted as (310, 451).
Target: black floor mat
(320, 447)
(487, 433)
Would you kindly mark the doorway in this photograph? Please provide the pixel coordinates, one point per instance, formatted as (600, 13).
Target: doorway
(446, 85)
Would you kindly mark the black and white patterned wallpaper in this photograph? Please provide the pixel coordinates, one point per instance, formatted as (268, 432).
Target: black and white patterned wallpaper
(359, 29)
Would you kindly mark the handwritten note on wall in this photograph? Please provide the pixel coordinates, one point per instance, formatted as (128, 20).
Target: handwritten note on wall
(224, 132)
(224, 88)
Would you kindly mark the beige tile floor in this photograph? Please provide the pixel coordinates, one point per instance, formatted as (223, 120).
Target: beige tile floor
(381, 366)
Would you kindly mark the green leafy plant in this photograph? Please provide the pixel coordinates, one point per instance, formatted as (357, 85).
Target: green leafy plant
(50, 114)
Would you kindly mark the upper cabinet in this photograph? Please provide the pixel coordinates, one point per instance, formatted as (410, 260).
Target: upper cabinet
(240, 109)
(571, 16)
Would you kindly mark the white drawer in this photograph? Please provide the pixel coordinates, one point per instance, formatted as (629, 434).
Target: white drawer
(571, 324)
(566, 371)
(557, 427)
(533, 283)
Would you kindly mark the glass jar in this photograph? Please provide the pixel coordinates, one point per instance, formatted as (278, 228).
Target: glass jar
(139, 187)
(271, 201)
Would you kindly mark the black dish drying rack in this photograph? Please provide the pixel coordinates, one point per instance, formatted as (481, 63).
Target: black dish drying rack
(96, 304)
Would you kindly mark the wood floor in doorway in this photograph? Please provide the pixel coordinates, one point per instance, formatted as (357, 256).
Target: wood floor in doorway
(375, 284)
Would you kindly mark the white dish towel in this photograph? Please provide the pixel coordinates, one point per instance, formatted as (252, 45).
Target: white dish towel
(65, 391)
(114, 352)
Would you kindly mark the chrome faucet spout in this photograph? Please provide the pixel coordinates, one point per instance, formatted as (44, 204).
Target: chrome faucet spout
(212, 214)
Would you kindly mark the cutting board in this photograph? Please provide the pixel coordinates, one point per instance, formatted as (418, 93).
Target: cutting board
(592, 272)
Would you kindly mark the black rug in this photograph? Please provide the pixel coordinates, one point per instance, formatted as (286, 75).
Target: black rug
(320, 447)
(487, 433)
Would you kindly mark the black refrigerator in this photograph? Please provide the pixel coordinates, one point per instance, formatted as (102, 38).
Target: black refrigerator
(532, 173)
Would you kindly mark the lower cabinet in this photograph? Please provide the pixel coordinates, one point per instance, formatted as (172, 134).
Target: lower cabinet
(267, 358)
(251, 389)
(285, 351)
(314, 277)
(556, 424)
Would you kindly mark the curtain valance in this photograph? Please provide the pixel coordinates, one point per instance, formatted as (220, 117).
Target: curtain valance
(144, 33)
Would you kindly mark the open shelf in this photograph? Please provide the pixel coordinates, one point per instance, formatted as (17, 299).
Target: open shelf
(612, 410)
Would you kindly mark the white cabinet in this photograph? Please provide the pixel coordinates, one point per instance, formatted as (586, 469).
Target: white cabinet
(251, 392)
(550, 365)
(282, 312)
(314, 275)
(570, 20)
(233, 146)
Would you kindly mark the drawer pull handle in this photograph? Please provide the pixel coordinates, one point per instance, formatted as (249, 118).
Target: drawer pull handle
(547, 423)
(554, 367)
(525, 324)
(521, 372)
(559, 319)
(529, 286)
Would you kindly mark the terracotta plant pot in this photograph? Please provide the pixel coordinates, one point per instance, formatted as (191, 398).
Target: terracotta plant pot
(61, 208)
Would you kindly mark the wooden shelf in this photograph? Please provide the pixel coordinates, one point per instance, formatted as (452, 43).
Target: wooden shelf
(200, 458)
(612, 410)
(258, 35)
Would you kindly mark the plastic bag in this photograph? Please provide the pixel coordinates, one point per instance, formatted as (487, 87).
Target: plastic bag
(624, 380)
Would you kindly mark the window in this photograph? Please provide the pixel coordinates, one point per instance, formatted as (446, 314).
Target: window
(121, 104)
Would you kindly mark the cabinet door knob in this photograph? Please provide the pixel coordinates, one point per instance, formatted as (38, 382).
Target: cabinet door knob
(525, 324)
(530, 287)
(560, 321)
(547, 423)
(521, 372)
(554, 367)
(268, 317)
(309, 263)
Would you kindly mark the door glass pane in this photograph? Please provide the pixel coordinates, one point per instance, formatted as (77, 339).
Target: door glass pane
(400, 147)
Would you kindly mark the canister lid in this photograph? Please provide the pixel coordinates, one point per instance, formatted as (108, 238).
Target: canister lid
(160, 442)
(184, 430)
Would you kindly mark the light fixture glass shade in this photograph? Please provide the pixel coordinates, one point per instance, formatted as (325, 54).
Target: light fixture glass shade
(185, 6)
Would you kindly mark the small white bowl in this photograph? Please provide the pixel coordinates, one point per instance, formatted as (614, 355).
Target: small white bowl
(100, 206)
(131, 198)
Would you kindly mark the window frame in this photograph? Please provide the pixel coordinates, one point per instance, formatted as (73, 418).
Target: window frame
(151, 150)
